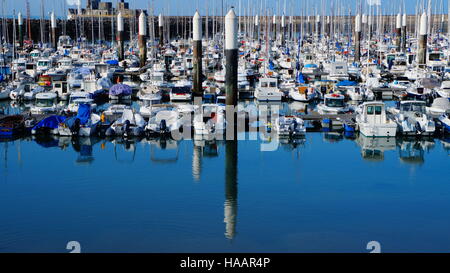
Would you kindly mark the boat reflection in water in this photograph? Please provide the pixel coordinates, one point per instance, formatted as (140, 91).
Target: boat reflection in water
(84, 147)
(412, 151)
(373, 148)
(124, 149)
(163, 150)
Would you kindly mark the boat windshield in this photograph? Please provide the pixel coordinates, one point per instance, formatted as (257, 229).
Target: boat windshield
(181, 90)
(42, 63)
(413, 107)
(44, 103)
(157, 78)
(334, 102)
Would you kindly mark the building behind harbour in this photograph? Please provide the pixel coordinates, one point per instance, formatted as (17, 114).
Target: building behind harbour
(97, 8)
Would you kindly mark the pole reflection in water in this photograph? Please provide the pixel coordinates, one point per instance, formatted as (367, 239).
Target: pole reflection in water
(231, 188)
(197, 161)
(202, 149)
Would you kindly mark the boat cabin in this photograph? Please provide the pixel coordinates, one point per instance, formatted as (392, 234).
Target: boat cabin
(268, 84)
(374, 112)
(31, 69)
(334, 100)
(44, 64)
(413, 106)
(60, 87)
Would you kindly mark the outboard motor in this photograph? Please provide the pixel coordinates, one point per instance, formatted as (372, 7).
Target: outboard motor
(419, 128)
(293, 127)
(75, 129)
(126, 128)
(163, 127)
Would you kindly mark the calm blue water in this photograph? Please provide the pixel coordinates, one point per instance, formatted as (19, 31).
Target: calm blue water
(324, 194)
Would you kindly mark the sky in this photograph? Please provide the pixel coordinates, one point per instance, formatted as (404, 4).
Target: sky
(188, 7)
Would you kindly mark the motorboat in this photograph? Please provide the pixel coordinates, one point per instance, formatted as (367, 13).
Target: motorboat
(373, 121)
(268, 90)
(163, 122)
(130, 124)
(32, 92)
(333, 104)
(303, 93)
(289, 126)
(46, 103)
(120, 92)
(444, 121)
(180, 93)
(150, 93)
(11, 125)
(412, 118)
(439, 107)
(210, 119)
(444, 90)
(5, 91)
(358, 93)
(48, 126)
(84, 124)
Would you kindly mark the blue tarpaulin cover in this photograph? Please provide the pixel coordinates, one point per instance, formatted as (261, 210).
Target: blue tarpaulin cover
(51, 122)
(112, 62)
(300, 78)
(347, 83)
(120, 89)
(84, 113)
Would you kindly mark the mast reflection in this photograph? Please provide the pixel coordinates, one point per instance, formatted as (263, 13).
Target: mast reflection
(202, 149)
(231, 188)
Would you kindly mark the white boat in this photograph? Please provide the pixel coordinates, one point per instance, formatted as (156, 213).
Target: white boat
(439, 107)
(31, 94)
(400, 84)
(116, 109)
(46, 103)
(84, 124)
(303, 93)
(333, 104)
(61, 88)
(372, 120)
(5, 91)
(412, 118)
(43, 65)
(149, 93)
(147, 106)
(444, 120)
(357, 93)
(163, 122)
(210, 119)
(289, 126)
(180, 93)
(130, 124)
(444, 90)
(268, 90)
